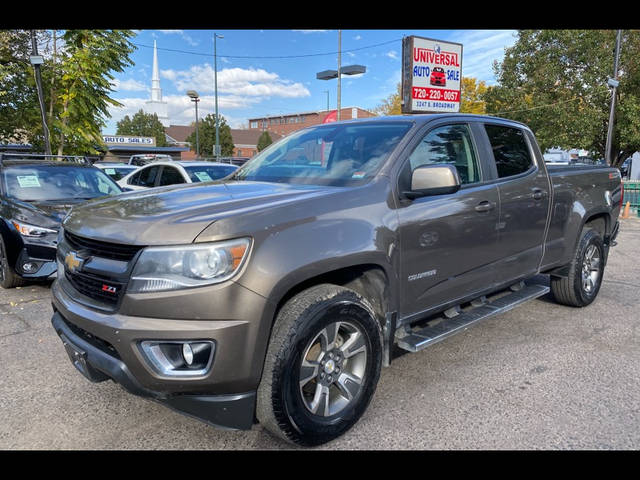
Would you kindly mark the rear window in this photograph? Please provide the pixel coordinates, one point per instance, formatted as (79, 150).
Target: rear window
(510, 150)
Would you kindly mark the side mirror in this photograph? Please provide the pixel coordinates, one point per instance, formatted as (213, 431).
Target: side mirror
(433, 180)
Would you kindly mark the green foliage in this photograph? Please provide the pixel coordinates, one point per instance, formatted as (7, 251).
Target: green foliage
(555, 81)
(76, 80)
(19, 112)
(264, 141)
(143, 125)
(207, 135)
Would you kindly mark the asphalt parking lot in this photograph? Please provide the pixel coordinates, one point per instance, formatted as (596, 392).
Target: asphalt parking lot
(541, 376)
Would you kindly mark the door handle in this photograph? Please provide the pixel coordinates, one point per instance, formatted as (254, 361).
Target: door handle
(538, 194)
(485, 206)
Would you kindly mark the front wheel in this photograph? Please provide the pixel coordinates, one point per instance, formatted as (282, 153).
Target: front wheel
(8, 277)
(322, 366)
(586, 270)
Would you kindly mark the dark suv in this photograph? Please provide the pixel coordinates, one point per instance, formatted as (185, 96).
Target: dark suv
(36, 192)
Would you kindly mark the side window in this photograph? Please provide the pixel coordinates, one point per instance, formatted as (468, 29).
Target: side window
(449, 145)
(170, 176)
(134, 179)
(510, 150)
(148, 176)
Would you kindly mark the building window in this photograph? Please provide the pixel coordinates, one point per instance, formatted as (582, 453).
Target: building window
(254, 124)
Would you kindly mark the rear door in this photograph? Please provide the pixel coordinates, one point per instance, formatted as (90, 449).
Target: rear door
(524, 190)
(448, 243)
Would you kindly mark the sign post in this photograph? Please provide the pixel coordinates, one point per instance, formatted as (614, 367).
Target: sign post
(431, 75)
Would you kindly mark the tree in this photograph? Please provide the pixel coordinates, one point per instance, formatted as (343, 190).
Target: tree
(264, 141)
(143, 125)
(19, 109)
(86, 64)
(556, 82)
(76, 80)
(471, 96)
(207, 135)
(392, 105)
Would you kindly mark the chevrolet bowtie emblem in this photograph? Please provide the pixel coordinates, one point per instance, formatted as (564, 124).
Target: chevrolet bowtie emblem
(72, 261)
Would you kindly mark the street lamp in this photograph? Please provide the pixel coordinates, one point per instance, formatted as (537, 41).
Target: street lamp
(215, 76)
(37, 60)
(348, 70)
(195, 98)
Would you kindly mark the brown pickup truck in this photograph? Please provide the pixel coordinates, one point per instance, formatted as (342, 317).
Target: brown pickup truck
(278, 293)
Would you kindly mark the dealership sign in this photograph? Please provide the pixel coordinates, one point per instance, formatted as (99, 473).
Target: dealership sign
(129, 140)
(431, 75)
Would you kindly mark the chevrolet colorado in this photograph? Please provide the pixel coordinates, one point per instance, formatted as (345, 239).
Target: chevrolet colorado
(277, 293)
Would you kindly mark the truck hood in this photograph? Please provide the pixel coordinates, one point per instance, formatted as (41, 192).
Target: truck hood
(177, 214)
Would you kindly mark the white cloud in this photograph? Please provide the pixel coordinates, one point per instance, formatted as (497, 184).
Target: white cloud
(250, 82)
(130, 85)
(183, 35)
(306, 32)
(392, 54)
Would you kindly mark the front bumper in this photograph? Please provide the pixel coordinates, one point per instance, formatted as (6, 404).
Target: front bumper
(110, 343)
(98, 364)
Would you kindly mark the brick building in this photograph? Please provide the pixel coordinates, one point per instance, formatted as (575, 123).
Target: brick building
(245, 141)
(285, 124)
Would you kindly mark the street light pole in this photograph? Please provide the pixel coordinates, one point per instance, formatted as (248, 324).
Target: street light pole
(613, 83)
(339, 69)
(196, 98)
(36, 61)
(215, 76)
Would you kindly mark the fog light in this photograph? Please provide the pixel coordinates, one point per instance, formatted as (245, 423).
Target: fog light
(179, 358)
(187, 353)
(30, 267)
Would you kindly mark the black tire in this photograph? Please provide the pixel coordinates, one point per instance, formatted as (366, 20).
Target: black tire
(571, 290)
(284, 405)
(8, 276)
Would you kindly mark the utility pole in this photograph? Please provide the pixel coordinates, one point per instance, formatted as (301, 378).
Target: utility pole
(36, 61)
(613, 83)
(339, 67)
(215, 76)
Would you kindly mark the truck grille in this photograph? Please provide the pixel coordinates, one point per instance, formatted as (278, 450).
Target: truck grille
(103, 290)
(106, 288)
(114, 251)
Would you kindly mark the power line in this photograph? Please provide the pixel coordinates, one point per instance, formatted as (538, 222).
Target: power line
(268, 56)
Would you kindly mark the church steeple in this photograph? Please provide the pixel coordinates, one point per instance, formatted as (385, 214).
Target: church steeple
(156, 105)
(156, 91)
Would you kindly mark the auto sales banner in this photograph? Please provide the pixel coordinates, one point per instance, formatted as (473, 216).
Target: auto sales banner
(431, 75)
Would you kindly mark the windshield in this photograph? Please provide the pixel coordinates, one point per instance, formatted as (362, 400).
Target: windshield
(206, 173)
(336, 155)
(36, 183)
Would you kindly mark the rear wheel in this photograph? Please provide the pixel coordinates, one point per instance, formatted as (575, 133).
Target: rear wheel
(322, 366)
(586, 270)
(8, 277)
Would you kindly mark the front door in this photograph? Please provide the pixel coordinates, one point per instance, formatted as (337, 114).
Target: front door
(448, 243)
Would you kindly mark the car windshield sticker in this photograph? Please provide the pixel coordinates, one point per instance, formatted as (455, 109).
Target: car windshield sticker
(28, 181)
(110, 171)
(203, 176)
(359, 174)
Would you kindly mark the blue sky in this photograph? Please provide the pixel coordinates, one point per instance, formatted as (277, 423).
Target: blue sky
(255, 77)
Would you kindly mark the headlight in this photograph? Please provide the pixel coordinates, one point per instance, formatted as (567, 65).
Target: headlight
(27, 230)
(185, 266)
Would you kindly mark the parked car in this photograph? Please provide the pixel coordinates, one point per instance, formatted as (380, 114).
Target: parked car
(625, 168)
(438, 77)
(279, 293)
(144, 159)
(115, 170)
(161, 174)
(36, 192)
